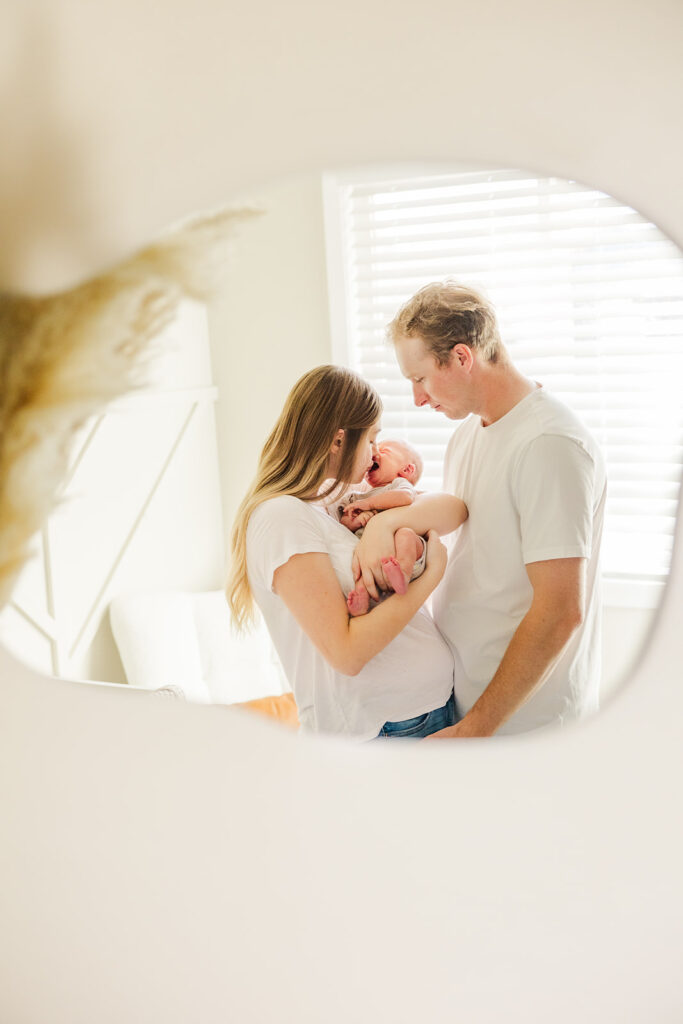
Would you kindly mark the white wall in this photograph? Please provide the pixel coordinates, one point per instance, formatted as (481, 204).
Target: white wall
(270, 325)
(141, 511)
(159, 861)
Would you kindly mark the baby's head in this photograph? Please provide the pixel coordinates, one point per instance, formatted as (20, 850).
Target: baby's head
(395, 458)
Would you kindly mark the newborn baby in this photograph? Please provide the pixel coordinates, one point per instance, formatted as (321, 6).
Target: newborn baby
(394, 473)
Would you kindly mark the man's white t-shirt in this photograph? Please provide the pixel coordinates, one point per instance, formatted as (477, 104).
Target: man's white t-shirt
(534, 482)
(412, 675)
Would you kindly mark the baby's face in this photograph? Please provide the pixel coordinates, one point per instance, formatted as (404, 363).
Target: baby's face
(390, 461)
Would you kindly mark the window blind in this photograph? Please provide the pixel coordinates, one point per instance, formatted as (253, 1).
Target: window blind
(589, 297)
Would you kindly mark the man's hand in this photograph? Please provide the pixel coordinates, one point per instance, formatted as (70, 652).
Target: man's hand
(449, 733)
(538, 642)
(458, 731)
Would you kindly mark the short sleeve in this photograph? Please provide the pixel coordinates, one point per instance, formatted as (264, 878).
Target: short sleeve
(554, 489)
(401, 484)
(278, 529)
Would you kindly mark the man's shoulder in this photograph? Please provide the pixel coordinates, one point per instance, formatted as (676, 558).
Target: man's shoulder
(555, 433)
(553, 417)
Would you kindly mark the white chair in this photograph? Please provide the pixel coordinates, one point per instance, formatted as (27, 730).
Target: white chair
(186, 641)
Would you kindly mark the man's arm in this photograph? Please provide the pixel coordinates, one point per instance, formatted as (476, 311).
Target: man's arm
(556, 612)
(441, 512)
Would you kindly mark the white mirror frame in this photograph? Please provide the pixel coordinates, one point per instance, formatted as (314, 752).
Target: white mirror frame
(221, 869)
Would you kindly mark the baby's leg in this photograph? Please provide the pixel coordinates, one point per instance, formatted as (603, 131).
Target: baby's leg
(397, 571)
(358, 600)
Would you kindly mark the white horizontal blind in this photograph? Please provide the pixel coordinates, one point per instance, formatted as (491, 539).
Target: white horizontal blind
(589, 297)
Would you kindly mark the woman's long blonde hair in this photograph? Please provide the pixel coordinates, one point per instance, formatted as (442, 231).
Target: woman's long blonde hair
(295, 458)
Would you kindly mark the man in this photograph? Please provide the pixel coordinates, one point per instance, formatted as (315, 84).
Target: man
(519, 604)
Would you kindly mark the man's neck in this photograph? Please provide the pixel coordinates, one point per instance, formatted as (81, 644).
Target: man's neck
(502, 388)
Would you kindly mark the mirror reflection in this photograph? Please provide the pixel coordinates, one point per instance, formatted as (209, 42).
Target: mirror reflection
(127, 581)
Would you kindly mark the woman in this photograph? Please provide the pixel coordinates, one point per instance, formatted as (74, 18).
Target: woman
(388, 672)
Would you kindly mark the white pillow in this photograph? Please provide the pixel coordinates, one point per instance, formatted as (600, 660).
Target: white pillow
(185, 640)
(235, 668)
(157, 641)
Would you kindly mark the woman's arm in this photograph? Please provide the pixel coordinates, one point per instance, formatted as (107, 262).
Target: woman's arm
(441, 512)
(309, 587)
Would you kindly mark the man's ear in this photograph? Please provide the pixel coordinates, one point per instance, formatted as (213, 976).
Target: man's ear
(335, 447)
(463, 354)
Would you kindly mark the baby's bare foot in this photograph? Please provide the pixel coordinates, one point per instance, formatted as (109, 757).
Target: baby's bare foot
(358, 602)
(393, 573)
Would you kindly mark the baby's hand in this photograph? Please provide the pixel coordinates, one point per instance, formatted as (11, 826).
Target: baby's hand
(354, 518)
(364, 517)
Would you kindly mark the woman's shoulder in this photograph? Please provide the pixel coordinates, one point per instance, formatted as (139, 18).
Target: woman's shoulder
(283, 508)
(278, 503)
(280, 527)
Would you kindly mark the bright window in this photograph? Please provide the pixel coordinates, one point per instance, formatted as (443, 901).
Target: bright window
(589, 297)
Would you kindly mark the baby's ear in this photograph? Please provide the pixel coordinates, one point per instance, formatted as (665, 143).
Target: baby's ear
(408, 471)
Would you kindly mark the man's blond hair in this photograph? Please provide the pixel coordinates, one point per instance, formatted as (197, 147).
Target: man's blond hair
(444, 314)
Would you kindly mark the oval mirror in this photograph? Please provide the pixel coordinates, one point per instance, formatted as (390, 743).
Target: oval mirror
(126, 584)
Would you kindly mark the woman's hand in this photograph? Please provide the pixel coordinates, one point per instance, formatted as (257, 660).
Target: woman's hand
(437, 556)
(376, 543)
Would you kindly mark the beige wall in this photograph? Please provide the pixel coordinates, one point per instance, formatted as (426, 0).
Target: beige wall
(170, 863)
(270, 325)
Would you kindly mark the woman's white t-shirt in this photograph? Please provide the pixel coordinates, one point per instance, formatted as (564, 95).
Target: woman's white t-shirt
(412, 675)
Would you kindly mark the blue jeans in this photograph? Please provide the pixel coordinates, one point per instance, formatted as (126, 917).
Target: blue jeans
(423, 725)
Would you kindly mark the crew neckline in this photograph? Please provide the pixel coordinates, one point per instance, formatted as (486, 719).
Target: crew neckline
(511, 412)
